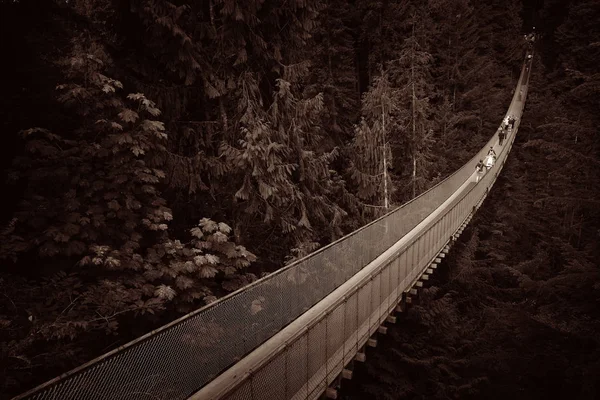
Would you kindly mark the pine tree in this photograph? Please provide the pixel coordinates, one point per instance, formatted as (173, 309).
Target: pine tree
(372, 158)
(381, 29)
(334, 71)
(411, 73)
(93, 199)
(284, 178)
(459, 75)
(231, 42)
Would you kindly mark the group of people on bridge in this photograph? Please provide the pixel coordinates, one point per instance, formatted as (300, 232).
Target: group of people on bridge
(531, 37)
(507, 126)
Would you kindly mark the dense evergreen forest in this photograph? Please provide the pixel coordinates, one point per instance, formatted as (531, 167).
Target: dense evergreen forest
(159, 154)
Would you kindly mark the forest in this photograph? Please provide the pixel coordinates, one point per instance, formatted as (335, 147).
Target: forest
(158, 155)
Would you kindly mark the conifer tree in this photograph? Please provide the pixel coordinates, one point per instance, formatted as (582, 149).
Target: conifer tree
(411, 73)
(381, 29)
(565, 135)
(371, 155)
(230, 42)
(93, 208)
(461, 83)
(284, 179)
(333, 71)
(455, 41)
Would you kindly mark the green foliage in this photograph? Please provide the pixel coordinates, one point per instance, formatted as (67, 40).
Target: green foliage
(381, 30)
(96, 185)
(96, 194)
(93, 209)
(508, 310)
(370, 144)
(187, 270)
(411, 73)
(333, 71)
(284, 177)
(523, 289)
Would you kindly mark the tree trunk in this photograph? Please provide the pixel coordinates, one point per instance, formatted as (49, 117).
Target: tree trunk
(212, 16)
(331, 82)
(385, 179)
(454, 98)
(414, 113)
(223, 113)
(298, 147)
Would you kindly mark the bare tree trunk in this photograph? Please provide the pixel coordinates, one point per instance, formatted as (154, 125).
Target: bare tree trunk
(334, 112)
(454, 98)
(357, 64)
(212, 16)
(414, 113)
(385, 178)
(223, 115)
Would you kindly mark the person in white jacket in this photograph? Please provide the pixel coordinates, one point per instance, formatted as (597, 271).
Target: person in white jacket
(490, 159)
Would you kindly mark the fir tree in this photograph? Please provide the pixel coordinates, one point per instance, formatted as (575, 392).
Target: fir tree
(411, 73)
(334, 71)
(93, 214)
(284, 178)
(372, 158)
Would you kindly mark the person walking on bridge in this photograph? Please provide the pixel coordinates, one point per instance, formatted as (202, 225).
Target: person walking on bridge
(511, 120)
(502, 136)
(490, 159)
(480, 166)
(505, 123)
(479, 169)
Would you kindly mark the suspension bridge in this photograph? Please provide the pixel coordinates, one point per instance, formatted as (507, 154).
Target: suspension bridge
(294, 333)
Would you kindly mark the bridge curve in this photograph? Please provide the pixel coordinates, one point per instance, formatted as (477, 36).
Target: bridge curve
(289, 335)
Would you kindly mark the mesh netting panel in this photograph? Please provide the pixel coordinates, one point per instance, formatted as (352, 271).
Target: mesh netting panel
(364, 310)
(317, 357)
(394, 278)
(242, 392)
(270, 381)
(350, 327)
(297, 367)
(375, 296)
(335, 340)
(385, 286)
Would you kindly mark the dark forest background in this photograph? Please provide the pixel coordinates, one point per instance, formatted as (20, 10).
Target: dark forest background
(159, 154)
